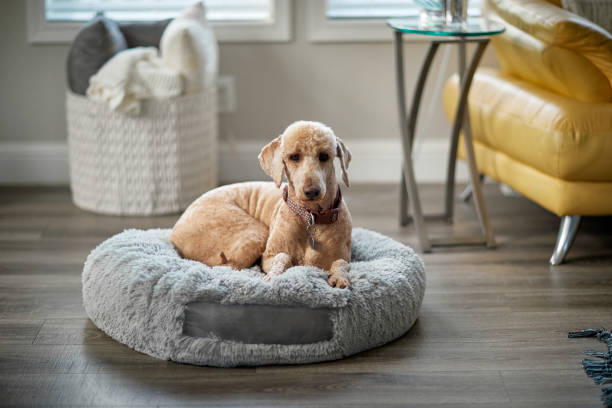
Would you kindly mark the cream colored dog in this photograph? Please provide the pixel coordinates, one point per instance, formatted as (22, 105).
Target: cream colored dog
(306, 223)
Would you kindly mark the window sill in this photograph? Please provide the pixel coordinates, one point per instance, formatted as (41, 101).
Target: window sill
(41, 31)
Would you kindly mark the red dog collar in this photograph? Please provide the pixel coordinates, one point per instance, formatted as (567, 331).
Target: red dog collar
(328, 216)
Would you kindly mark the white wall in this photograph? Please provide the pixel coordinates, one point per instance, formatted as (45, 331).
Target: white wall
(349, 86)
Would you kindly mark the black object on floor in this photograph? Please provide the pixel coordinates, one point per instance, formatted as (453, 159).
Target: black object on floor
(599, 370)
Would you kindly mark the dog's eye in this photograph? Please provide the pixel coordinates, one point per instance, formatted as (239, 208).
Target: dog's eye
(323, 157)
(294, 157)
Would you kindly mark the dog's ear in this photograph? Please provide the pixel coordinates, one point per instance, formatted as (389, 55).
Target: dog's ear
(271, 161)
(344, 154)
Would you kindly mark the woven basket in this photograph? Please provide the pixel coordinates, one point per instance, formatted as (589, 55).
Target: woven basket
(154, 163)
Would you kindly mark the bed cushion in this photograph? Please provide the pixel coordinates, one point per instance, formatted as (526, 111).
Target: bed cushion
(138, 290)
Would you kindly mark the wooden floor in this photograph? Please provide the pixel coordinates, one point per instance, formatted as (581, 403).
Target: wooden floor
(492, 331)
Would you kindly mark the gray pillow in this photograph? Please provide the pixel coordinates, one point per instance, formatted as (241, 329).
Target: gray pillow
(96, 43)
(143, 34)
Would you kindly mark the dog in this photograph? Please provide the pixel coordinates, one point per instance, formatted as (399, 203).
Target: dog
(305, 223)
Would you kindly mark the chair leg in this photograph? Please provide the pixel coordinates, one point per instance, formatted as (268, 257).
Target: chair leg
(466, 194)
(565, 238)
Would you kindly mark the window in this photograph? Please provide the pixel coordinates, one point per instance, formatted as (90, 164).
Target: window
(337, 9)
(361, 20)
(135, 10)
(57, 21)
(370, 9)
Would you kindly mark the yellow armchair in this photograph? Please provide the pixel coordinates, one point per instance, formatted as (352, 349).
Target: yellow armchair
(543, 124)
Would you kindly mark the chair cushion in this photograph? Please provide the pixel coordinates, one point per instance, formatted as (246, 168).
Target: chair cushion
(96, 43)
(561, 197)
(551, 66)
(561, 137)
(138, 290)
(557, 27)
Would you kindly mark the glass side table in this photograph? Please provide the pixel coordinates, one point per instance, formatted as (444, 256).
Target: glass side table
(475, 30)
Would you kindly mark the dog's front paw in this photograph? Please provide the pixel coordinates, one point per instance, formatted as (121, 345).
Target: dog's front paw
(338, 281)
(270, 275)
(276, 266)
(338, 274)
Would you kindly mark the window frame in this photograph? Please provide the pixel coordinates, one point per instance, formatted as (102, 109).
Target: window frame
(41, 31)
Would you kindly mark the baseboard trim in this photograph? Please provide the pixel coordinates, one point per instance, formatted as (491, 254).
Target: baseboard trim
(34, 163)
(373, 162)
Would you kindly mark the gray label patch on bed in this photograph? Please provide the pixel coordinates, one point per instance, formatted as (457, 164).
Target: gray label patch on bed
(257, 324)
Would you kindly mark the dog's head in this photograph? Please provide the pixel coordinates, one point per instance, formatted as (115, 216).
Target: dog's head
(305, 153)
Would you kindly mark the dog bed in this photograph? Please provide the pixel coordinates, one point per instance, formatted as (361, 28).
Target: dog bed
(138, 290)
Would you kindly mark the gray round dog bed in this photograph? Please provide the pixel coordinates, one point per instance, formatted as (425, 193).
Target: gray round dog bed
(138, 290)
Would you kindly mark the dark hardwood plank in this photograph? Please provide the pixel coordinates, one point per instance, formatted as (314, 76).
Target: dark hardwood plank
(70, 332)
(18, 331)
(245, 387)
(536, 386)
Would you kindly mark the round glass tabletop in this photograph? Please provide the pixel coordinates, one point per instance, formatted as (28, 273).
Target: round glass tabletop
(473, 27)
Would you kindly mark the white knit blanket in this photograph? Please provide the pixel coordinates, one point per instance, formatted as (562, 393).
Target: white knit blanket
(131, 76)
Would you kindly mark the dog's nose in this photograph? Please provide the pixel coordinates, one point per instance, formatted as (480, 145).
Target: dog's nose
(312, 192)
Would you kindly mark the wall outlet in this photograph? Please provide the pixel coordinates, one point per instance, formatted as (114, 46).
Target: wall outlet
(226, 95)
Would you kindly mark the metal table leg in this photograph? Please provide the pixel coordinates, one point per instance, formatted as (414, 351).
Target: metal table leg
(407, 126)
(452, 155)
(466, 194)
(408, 187)
(403, 201)
(460, 114)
